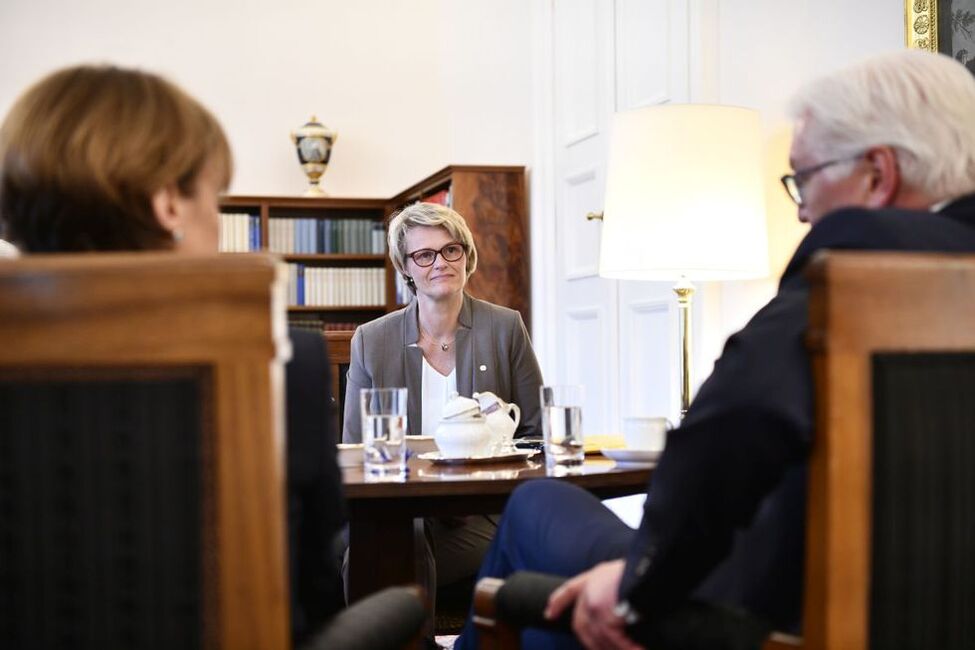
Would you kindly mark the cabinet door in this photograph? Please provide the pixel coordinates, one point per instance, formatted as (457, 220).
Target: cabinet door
(618, 339)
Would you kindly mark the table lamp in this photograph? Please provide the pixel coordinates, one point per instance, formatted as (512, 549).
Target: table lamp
(684, 202)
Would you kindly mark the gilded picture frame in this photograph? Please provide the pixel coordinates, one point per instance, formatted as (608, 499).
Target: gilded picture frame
(946, 26)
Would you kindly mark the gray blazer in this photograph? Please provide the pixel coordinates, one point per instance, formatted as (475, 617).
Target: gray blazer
(493, 353)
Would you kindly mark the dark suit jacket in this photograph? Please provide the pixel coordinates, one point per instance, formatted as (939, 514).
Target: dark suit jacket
(315, 505)
(725, 513)
(493, 354)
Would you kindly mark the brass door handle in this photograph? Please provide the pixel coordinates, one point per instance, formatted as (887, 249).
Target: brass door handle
(594, 216)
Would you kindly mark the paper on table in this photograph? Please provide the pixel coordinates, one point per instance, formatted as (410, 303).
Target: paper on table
(595, 442)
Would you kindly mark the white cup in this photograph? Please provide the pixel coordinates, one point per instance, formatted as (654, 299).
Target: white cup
(646, 433)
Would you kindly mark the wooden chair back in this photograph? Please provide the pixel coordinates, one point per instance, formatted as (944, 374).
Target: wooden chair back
(890, 558)
(141, 452)
(339, 356)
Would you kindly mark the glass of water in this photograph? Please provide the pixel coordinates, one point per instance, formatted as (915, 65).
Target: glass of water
(384, 432)
(562, 425)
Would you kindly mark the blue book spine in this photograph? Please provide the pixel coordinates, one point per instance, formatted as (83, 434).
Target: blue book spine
(255, 233)
(301, 284)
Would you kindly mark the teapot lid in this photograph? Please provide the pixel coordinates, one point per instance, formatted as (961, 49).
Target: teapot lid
(458, 407)
(487, 399)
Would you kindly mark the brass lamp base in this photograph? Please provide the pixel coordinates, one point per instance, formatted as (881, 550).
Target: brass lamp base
(685, 292)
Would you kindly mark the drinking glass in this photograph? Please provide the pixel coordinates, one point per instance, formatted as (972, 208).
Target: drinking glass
(384, 432)
(562, 425)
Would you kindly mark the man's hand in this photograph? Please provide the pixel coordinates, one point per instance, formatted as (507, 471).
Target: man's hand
(594, 620)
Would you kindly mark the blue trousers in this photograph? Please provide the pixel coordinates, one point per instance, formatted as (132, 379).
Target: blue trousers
(552, 527)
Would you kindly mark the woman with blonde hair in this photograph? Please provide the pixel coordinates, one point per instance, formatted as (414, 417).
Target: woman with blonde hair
(444, 341)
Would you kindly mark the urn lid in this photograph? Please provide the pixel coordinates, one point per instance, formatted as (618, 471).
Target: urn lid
(461, 408)
(314, 129)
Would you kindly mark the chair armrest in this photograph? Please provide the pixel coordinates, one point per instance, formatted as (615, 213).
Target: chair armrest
(387, 620)
(518, 601)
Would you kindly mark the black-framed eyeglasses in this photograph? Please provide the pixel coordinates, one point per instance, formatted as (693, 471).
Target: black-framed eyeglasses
(793, 182)
(427, 256)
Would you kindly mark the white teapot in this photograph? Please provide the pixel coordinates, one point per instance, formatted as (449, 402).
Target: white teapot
(463, 432)
(498, 414)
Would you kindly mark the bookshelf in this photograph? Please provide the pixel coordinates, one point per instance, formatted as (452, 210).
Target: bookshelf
(335, 247)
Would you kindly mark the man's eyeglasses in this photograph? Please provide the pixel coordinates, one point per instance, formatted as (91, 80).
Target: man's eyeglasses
(427, 256)
(793, 182)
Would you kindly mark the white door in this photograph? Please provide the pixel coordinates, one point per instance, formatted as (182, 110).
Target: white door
(584, 88)
(616, 338)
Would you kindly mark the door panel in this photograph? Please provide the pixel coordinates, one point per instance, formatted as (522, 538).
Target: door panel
(582, 193)
(649, 382)
(578, 69)
(588, 330)
(651, 52)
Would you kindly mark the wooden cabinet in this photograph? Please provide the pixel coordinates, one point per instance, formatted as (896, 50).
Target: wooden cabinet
(337, 245)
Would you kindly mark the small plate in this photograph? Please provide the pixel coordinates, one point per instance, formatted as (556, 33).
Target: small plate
(437, 458)
(632, 455)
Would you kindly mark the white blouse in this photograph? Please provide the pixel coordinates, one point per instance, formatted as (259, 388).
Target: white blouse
(437, 389)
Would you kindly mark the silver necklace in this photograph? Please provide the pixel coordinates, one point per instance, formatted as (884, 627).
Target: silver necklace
(444, 345)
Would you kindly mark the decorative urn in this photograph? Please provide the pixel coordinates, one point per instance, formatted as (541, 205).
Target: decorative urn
(313, 142)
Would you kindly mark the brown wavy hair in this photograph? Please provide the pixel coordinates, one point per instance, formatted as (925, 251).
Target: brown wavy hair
(83, 151)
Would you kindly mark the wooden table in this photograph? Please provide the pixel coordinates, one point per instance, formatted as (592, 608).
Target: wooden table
(381, 514)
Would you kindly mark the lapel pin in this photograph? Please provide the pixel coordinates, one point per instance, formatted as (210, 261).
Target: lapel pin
(483, 368)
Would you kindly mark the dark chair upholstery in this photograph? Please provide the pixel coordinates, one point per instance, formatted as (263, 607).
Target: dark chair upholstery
(90, 534)
(141, 466)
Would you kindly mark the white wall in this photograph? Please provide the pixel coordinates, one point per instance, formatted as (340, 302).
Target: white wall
(766, 50)
(409, 86)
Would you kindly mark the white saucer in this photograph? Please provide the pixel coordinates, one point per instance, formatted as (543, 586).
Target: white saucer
(632, 455)
(437, 458)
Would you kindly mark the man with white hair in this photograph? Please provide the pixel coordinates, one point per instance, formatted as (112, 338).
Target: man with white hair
(884, 159)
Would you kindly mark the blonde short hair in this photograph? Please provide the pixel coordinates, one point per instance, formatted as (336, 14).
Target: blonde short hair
(428, 214)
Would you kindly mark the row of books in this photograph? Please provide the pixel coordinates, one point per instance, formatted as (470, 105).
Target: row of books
(326, 236)
(318, 325)
(239, 232)
(336, 287)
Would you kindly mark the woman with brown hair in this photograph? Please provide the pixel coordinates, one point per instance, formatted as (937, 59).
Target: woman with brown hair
(99, 158)
(103, 158)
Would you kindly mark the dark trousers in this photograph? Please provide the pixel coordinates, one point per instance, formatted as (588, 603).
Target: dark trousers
(551, 527)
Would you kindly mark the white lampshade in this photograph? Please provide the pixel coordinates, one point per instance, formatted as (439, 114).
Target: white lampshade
(684, 195)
